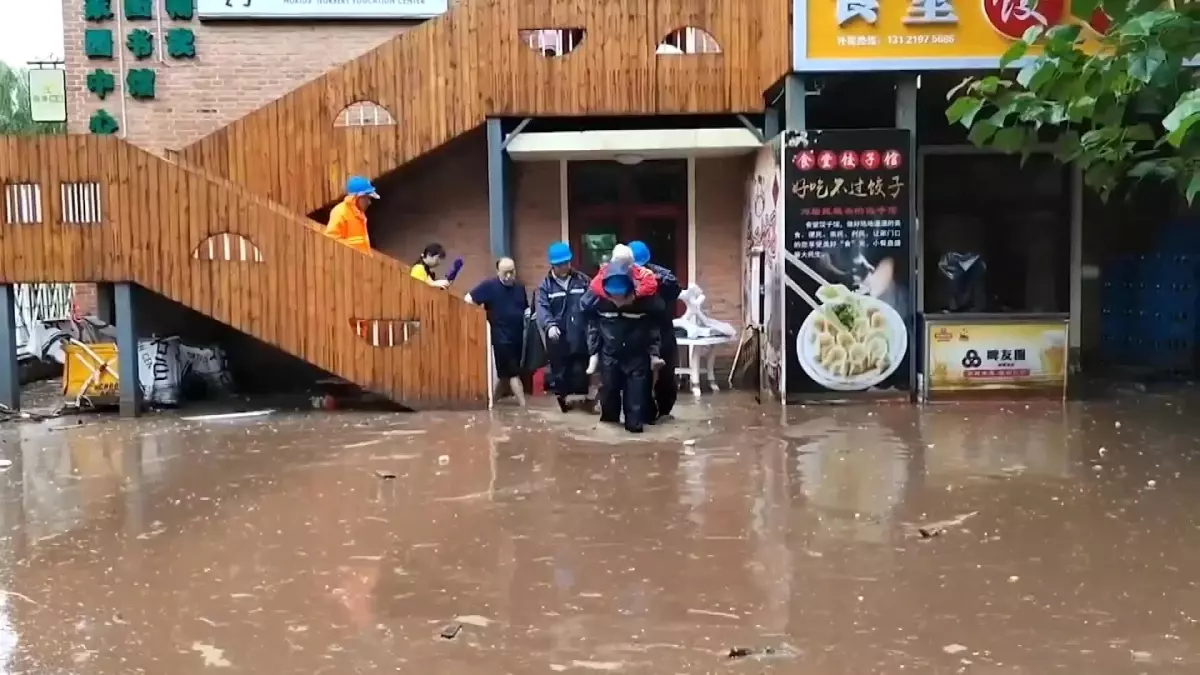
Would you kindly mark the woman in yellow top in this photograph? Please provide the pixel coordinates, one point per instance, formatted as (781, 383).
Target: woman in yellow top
(431, 258)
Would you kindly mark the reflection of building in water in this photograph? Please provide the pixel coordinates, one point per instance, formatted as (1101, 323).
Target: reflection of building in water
(853, 475)
(1032, 440)
(50, 498)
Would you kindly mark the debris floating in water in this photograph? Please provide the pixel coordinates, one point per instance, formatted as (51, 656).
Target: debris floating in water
(954, 649)
(212, 656)
(226, 417)
(451, 631)
(931, 530)
(385, 475)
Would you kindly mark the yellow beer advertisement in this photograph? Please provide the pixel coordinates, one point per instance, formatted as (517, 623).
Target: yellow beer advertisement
(996, 356)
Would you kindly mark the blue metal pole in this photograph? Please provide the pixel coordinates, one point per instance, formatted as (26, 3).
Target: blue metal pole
(499, 192)
(10, 376)
(127, 351)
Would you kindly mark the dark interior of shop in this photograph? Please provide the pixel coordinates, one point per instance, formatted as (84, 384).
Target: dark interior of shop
(1012, 216)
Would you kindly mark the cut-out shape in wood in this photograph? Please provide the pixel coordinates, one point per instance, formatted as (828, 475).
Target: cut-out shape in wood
(552, 42)
(385, 332)
(22, 203)
(688, 40)
(81, 203)
(228, 247)
(364, 114)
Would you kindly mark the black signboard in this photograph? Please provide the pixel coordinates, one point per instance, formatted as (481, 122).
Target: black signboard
(847, 266)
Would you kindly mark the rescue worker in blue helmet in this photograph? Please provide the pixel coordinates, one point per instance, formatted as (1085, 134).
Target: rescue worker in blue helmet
(623, 341)
(664, 390)
(560, 317)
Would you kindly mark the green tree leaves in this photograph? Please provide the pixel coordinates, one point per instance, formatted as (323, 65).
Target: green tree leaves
(16, 118)
(1127, 112)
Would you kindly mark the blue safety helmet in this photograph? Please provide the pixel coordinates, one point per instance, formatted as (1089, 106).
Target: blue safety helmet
(618, 279)
(559, 253)
(358, 186)
(641, 252)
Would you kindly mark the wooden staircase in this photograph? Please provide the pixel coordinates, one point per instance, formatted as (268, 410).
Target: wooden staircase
(91, 209)
(446, 77)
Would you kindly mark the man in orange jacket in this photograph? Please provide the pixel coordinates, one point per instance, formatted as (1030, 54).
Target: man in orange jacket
(348, 220)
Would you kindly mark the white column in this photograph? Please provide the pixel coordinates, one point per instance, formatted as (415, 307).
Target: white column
(691, 220)
(564, 201)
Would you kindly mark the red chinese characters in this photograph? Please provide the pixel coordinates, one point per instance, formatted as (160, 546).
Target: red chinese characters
(1011, 18)
(848, 160)
(1099, 22)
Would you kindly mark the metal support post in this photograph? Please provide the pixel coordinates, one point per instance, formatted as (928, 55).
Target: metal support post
(795, 95)
(10, 375)
(127, 351)
(500, 191)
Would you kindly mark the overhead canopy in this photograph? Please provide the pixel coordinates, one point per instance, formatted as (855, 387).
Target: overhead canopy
(632, 146)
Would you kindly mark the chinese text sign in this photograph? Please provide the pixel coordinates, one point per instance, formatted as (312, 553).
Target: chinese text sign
(921, 34)
(995, 356)
(846, 247)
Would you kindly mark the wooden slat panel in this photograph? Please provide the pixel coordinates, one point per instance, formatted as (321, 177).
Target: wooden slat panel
(299, 298)
(447, 76)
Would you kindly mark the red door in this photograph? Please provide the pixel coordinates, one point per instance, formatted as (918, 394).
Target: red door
(612, 203)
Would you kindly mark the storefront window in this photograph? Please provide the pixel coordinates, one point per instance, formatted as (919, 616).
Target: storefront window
(1010, 218)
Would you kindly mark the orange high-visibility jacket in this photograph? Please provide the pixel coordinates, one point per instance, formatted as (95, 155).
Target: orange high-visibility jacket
(348, 224)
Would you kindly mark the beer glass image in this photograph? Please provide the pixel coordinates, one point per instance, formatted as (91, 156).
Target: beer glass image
(1054, 353)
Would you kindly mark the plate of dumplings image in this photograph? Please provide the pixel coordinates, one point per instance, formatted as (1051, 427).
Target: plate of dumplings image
(850, 341)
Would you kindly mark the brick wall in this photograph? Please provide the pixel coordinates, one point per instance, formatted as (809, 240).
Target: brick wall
(720, 202)
(443, 197)
(238, 67)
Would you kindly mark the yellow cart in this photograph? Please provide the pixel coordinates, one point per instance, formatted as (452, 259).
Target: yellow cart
(90, 376)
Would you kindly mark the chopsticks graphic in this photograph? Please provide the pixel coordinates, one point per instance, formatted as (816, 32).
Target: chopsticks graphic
(812, 274)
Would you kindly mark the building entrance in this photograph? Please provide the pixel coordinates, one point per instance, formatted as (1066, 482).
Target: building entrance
(611, 203)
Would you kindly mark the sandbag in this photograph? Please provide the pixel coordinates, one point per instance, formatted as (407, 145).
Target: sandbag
(160, 369)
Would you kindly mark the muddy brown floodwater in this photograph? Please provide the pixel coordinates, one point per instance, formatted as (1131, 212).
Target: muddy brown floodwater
(994, 539)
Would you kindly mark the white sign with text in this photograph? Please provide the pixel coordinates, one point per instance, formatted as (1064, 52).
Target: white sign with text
(321, 9)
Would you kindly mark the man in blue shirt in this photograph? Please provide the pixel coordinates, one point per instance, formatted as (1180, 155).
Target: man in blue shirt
(506, 305)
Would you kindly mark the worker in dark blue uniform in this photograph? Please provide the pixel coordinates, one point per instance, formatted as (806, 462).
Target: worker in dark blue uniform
(664, 388)
(623, 341)
(557, 301)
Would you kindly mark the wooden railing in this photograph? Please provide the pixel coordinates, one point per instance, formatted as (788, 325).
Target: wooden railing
(447, 76)
(107, 211)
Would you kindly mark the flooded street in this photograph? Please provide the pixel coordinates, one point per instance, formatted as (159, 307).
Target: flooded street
(985, 538)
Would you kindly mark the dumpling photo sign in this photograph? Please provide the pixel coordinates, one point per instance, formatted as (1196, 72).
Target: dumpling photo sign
(848, 287)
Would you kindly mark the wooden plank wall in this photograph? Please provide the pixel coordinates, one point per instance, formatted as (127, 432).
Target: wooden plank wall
(445, 77)
(304, 297)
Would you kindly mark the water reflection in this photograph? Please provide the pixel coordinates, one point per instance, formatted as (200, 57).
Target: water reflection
(1033, 439)
(851, 473)
(276, 546)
